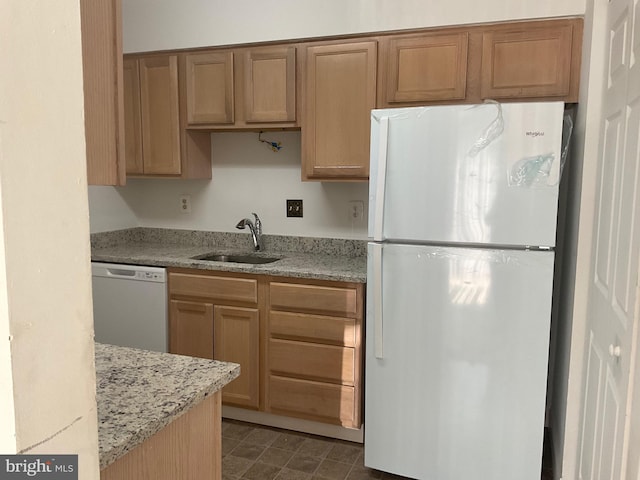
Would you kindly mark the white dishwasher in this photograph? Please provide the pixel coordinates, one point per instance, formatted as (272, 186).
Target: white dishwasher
(130, 305)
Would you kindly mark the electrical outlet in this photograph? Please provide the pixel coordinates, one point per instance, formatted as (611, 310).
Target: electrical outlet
(185, 203)
(294, 208)
(356, 211)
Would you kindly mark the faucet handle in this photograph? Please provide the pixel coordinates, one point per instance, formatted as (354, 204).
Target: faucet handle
(258, 223)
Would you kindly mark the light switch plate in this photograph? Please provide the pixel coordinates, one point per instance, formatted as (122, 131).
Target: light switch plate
(294, 208)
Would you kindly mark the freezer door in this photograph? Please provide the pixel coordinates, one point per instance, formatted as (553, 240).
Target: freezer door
(455, 387)
(484, 174)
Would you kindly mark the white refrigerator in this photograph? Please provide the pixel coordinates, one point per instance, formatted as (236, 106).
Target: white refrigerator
(462, 224)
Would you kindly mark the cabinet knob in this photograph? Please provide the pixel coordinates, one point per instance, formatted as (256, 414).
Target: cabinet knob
(615, 351)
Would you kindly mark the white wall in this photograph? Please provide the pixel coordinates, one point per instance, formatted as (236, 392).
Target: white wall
(108, 210)
(171, 24)
(46, 321)
(249, 177)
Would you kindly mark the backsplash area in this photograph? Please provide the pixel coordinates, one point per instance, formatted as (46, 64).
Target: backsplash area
(247, 177)
(197, 238)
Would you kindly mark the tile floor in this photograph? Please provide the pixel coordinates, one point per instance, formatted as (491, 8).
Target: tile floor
(261, 453)
(256, 452)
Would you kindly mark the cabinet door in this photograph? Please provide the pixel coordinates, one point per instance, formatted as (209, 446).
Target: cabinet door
(270, 85)
(532, 62)
(160, 115)
(237, 333)
(209, 88)
(132, 119)
(424, 68)
(340, 91)
(191, 328)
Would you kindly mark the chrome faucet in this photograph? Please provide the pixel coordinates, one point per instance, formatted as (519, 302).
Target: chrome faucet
(256, 231)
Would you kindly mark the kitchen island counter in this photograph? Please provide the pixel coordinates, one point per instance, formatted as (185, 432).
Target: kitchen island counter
(141, 392)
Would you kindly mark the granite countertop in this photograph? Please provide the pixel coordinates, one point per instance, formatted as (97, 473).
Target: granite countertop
(314, 258)
(140, 392)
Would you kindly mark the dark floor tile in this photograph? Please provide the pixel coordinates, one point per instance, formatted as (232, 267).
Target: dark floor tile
(315, 447)
(228, 444)
(304, 463)
(333, 470)
(363, 473)
(237, 431)
(235, 466)
(262, 436)
(261, 471)
(286, 474)
(289, 441)
(248, 451)
(276, 456)
(345, 453)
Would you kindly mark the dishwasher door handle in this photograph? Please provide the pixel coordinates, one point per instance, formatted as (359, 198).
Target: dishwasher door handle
(120, 272)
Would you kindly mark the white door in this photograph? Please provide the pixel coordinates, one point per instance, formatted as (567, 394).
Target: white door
(613, 288)
(456, 361)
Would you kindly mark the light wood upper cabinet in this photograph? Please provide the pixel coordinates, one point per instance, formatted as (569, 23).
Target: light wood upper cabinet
(422, 68)
(210, 88)
(532, 61)
(246, 88)
(339, 93)
(270, 84)
(103, 91)
(156, 142)
(132, 117)
(160, 115)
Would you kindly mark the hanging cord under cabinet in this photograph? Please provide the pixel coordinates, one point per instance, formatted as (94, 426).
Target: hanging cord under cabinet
(275, 146)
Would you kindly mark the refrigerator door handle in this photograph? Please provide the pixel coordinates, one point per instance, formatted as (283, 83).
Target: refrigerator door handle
(378, 218)
(376, 251)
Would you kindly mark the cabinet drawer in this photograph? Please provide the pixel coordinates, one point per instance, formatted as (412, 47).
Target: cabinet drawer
(213, 287)
(314, 328)
(315, 400)
(312, 360)
(299, 297)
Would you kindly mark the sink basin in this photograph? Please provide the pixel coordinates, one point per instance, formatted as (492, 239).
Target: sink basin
(253, 259)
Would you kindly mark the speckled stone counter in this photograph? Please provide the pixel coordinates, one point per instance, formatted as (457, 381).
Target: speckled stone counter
(140, 392)
(316, 258)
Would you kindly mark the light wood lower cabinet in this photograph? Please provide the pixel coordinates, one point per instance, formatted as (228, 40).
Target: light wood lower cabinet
(298, 341)
(236, 338)
(191, 327)
(319, 401)
(189, 447)
(314, 351)
(217, 316)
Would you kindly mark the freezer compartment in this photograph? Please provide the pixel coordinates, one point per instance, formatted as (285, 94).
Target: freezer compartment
(484, 174)
(457, 346)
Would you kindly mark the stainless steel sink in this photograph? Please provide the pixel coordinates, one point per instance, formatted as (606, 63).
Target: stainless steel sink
(253, 259)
